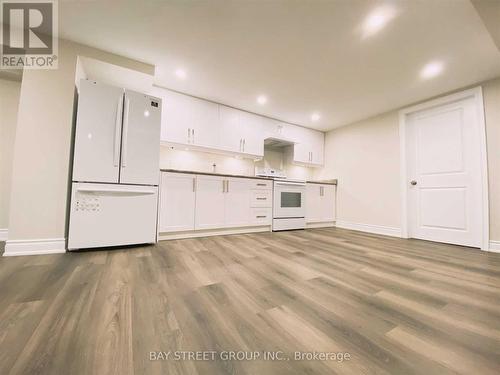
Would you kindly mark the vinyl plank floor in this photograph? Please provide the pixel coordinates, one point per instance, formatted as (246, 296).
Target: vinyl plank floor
(396, 306)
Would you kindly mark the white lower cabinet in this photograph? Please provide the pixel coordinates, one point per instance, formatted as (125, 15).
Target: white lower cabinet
(237, 202)
(177, 202)
(320, 203)
(190, 202)
(210, 198)
(261, 216)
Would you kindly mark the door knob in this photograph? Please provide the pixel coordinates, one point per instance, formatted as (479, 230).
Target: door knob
(413, 182)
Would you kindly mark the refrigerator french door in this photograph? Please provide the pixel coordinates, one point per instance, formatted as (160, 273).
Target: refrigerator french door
(115, 167)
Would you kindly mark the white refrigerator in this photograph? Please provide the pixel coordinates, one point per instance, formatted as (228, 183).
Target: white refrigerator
(114, 194)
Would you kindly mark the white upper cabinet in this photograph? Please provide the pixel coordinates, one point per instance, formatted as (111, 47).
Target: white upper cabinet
(309, 146)
(277, 129)
(241, 131)
(188, 120)
(251, 127)
(177, 117)
(205, 130)
(199, 123)
(230, 135)
(317, 146)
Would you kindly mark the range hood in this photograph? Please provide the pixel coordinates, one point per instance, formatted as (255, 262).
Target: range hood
(277, 143)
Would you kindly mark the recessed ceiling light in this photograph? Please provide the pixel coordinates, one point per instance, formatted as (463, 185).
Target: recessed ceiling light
(181, 73)
(432, 69)
(315, 116)
(262, 99)
(377, 19)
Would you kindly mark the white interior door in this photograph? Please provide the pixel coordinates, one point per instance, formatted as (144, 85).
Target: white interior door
(140, 158)
(177, 202)
(237, 202)
(209, 202)
(98, 133)
(444, 174)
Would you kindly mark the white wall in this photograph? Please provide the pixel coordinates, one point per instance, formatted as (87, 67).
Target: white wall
(364, 156)
(9, 100)
(198, 161)
(40, 178)
(491, 95)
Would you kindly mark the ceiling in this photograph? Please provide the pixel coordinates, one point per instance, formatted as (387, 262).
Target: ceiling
(305, 56)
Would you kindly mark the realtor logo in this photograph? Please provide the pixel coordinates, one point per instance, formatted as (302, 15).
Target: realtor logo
(29, 34)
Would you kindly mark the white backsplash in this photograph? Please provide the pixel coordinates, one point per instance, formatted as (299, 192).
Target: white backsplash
(198, 161)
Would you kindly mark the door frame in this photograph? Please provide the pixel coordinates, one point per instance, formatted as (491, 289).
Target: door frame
(477, 94)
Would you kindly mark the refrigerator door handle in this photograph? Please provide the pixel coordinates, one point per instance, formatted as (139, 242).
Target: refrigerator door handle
(118, 191)
(118, 123)
(125, 132)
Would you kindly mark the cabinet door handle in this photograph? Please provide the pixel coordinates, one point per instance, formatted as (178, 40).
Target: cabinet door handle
(261, 184)
(261, 216)
(241, 142)
(227, 186)
(223, 186)
(261, 199)
(244, 144)
(189, 135)
(193, 136)
(194, 184)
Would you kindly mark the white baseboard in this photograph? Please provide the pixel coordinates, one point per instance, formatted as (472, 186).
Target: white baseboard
(212, 232)
(4, 234)
(495, 246)
(35, 247)
(370, 228)
(324, 224)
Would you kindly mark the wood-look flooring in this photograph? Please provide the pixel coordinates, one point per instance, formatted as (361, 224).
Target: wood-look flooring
(396, 306)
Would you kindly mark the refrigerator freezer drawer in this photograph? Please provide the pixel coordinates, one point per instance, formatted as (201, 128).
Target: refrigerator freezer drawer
(112, 215)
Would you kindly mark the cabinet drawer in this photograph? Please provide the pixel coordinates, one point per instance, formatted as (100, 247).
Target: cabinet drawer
(261, 198)
(262, 184)
(261, 216)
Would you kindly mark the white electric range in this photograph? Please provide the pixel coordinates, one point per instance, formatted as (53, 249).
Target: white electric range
(289, 195)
